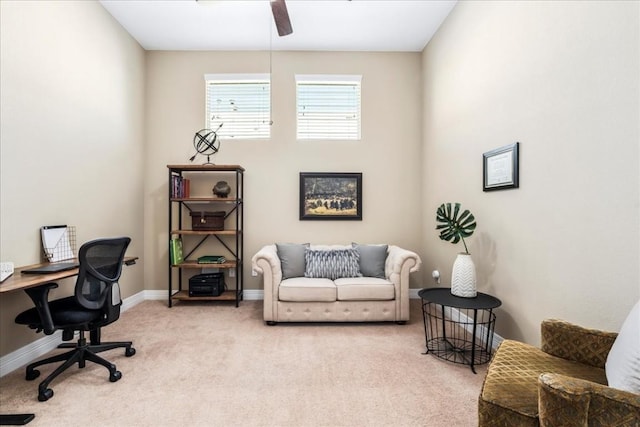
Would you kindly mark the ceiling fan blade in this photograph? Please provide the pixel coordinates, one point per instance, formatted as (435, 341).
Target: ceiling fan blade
(281, 16)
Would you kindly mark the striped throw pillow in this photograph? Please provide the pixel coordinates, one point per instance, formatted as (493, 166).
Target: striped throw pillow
(332, 264)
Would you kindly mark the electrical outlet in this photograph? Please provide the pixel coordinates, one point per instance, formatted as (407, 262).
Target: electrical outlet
(436, 276)
(254, 273)
(232, 272)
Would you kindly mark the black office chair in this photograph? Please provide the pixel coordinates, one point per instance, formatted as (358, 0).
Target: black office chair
(96, 303)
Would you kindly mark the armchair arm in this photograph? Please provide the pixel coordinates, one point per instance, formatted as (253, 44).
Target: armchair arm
(40, 297)
(573, 342)
(565, 400)
(267, 263)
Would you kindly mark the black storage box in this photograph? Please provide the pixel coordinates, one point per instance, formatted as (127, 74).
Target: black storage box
(207, 221)
(206, 285)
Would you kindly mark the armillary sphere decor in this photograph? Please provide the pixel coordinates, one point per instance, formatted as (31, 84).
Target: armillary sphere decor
(206, 142)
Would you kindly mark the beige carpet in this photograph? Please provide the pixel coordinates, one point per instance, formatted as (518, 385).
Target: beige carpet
(200, 364)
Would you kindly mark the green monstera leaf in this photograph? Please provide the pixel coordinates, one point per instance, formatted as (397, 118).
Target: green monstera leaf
(453, 225)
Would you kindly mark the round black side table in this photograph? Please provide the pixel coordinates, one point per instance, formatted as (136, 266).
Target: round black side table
(457, 329)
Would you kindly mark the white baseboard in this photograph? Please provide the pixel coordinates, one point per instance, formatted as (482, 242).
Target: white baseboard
(413, 293)
(29, 352)
(42, 346)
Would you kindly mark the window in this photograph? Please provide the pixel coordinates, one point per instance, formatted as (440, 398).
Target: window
(241, 103)
(328, 106)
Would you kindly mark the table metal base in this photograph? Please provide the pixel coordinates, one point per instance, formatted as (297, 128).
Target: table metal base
(459, 330)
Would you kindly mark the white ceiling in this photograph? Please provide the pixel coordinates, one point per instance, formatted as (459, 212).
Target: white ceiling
(335, 25)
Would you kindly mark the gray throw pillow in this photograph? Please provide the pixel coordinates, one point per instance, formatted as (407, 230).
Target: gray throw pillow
(291, 259)
(372, 259)
(332, 264)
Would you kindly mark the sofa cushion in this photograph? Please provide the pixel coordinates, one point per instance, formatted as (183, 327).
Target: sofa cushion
(332, 264)
(306, 289)
(512, 378)
(364, 288)
(372, 259)
(623, 361)
(291, 259)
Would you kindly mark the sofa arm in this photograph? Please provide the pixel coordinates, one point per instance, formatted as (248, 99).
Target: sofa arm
(267, 263)
(271, 263)
(565, 401)
(573, 342)
(399, 263)
(399, 258)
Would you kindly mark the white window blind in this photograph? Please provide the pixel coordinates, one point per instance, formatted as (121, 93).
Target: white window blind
(241, 103)
(328, 106)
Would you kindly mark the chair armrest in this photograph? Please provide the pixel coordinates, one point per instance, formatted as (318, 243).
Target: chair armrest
(573, 342)
(565, 400)
(40, 297)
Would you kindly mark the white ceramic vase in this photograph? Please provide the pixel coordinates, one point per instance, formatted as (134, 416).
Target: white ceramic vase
(463, 278)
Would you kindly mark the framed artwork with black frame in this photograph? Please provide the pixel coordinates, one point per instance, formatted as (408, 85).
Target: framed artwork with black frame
(500, 168)
(330, 196)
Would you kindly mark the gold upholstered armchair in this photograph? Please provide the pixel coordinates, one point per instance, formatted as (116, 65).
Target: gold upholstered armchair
(563, 383)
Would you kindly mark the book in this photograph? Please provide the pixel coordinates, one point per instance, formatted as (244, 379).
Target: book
(186, 188)
(180, 187)
(212, 259)
(175, 251)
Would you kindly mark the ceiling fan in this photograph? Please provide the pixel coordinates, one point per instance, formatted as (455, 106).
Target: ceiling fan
(281, 16)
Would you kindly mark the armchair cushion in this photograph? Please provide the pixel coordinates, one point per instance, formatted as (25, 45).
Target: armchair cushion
(574, 342)
(623, 362)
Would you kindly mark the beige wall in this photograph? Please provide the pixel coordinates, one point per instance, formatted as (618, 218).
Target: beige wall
(388, 154)
(71, 137)
(562, 78)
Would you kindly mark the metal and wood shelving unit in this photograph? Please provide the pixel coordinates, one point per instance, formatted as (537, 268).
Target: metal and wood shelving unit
(229, 239)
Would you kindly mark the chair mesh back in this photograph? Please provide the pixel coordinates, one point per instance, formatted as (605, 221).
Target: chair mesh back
(100, 267)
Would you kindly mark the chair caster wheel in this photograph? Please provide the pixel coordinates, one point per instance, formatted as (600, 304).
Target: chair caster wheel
(32, 375)
(130, 352)
(45, 395)
(115, 376)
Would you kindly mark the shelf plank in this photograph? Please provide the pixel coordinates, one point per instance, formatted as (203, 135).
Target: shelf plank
(200, 168)
(191, 263)
(206, 232)
(206, 199)
(225, 296)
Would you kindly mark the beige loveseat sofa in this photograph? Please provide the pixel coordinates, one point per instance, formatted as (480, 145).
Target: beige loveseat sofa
(300, 284)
